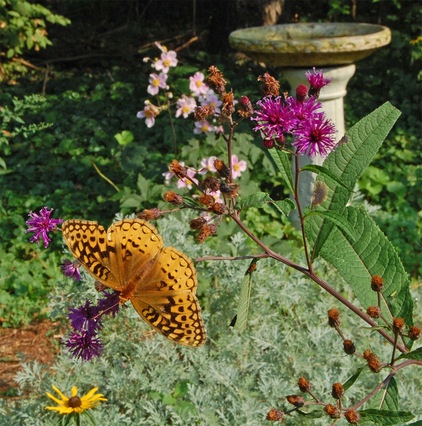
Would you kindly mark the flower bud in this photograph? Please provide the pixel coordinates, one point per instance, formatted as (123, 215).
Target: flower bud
(374, 311)
(296, 400)
(352, 417)
(275, 415)
(268, 143)
(337, 390)
(377, 283)
(301, 92)
(304, 385)
(334, 318)
(349, 347)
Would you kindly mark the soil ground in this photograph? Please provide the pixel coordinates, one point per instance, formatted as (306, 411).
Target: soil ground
(29, 343)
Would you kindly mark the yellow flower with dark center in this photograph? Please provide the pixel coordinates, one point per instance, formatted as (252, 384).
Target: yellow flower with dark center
(75, 404)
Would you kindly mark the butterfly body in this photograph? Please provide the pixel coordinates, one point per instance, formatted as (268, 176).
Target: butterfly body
(160, 281)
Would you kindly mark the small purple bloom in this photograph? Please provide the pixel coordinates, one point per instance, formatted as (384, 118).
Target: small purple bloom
(317, 81)
(315, 136)
(41, 224)
(71, 269)
(304, 110)
(85, 318)
(84, 345)
(110, 304)
(274, 117)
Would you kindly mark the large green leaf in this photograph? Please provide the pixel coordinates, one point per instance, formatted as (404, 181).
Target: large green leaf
(370, 253)
(283, 162)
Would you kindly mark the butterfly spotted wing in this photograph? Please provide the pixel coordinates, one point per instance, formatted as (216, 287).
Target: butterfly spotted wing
(160, 282)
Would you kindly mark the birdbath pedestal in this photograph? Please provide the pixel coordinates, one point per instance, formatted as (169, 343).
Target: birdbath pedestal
(332, 47)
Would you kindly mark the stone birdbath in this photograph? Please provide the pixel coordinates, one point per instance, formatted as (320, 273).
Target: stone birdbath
(332, 47)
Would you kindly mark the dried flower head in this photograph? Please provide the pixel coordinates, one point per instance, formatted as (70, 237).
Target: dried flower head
(296, 400)
(398, 325)
(211, 184)
(228, 104)
(304, 385)
(332, 411)
(206, 200)
(218, 208)
(334, 317)
(414, 332)
(372, 361)
(221, 168)
(377, 283)
(374, 311)
(197, 223)
(349, 347)
(352, 417)
(179, 170)
(206, 231)
(337, 390)
(275, 415)
(215, 80)
(173, 198)
(270, 87)
(229, 190)
(150, 214)
(203, 112)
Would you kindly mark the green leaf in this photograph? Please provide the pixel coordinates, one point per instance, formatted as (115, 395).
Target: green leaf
(338, 219)
(416, 355)
(385, 417)
(124, 138)
(244, 299)
(284, 206)
(370, 254)
(254, 200)
(283, 163)
(347, 162)
(320, 170)
(349, 383)
(391, 400)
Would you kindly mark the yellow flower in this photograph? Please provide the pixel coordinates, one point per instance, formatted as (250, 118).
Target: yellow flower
(75, 404)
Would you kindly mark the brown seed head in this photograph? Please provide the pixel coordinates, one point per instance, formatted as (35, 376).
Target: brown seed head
(173, 198)
(296, 400)
(206, 200)
(352, 417)
(377, 283)
(349, 347)
(275, 415)
(218, 208)
(203, 112)
(337, 390)
(215, 80)
(304, 385)
(398, 325)
(149, 214)
(373, 361)
(211, 184)
(228, 104)
(229, 190)
(271, 87)
(176, 168)
(74, 402)
(206, 231)
(197, 223)
(414, 332)
(334, 317)
(374, 311)
(332, 411)
(221, 168)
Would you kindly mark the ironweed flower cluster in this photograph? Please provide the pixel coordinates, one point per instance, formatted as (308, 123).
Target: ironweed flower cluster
(41, 224)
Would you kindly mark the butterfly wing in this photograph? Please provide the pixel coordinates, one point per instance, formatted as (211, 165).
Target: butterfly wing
(109, 256)
(166, 298)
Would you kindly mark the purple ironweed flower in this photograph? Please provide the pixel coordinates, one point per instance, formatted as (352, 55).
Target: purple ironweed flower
(274, 117)
(110, 304)
(71, 269)
(304, 110)
(85, 318)
(317, 81)
(314, 136)
(40, 224)
(84, 345)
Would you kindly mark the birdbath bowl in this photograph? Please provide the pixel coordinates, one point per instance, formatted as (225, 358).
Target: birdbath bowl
(310, 44)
